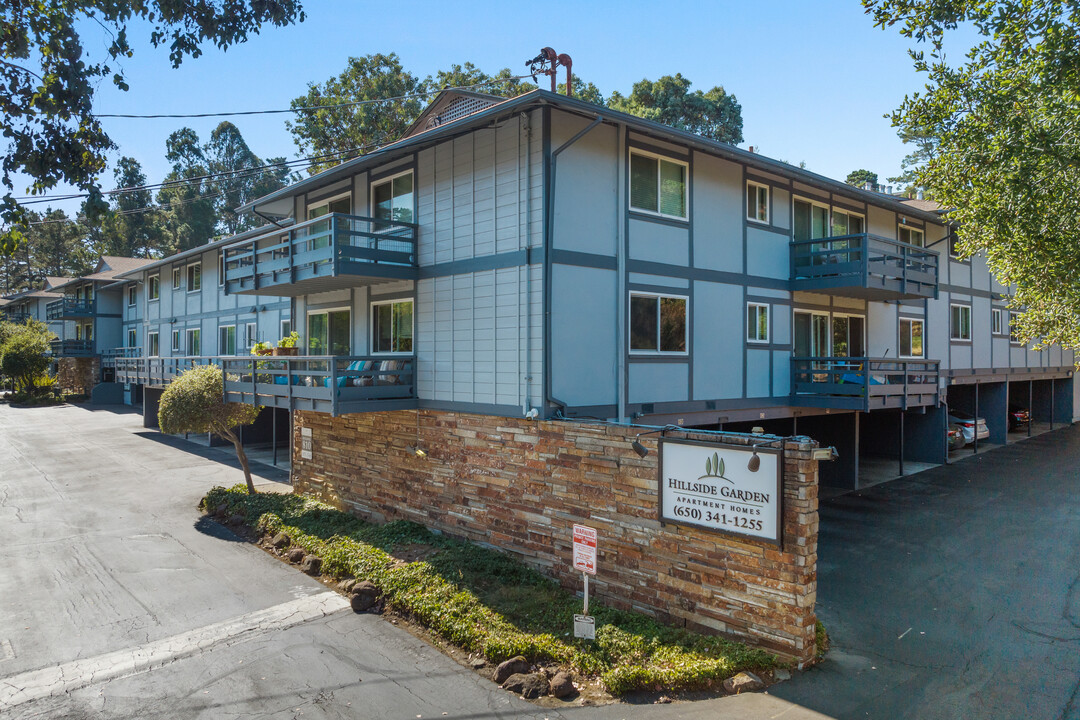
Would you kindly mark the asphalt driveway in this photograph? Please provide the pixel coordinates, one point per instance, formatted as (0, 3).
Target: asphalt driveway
(954, 593)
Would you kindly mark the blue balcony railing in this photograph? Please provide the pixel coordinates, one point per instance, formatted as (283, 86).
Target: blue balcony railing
(864, 266)
(337, 385)
(72, 348)
(863, 383)
(331, 252)
(69, 308)
(16, 316)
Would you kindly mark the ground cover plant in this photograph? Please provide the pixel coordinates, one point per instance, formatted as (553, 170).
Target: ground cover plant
(488, 603)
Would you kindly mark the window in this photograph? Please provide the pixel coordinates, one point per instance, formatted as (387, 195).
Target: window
(132, 293)
(847, 223)
(912, 236)
(286, 328)
(176, 278)
(960, 327)
(657, 323)
(393, 199)
(757, 202)
(221, 269)
(329, 333)
(342, 204)
(88, 332)
(152, 346)
(810, 334)
(392, 327)
(132, 337)
(194, 277)
(1014, 328)
(658, 185)
(226, 340)
(194, 344)
(757, 322)
(911, 338)
(996, 326)
(848, 332)
(153, 287)
(78, 332)
(176, 341)
(954, 247)
(251, 335)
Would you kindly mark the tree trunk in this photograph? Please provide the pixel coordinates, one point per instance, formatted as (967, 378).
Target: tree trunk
(242, 457)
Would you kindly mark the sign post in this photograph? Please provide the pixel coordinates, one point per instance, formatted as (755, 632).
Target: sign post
(585, 561)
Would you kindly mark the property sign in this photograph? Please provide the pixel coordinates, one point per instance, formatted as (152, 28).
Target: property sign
(717, 487)
(585, 549)
(305, 443)
(585, 627)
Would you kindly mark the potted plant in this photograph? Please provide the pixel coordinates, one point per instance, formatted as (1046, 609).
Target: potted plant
(262, 348)
(288, 345)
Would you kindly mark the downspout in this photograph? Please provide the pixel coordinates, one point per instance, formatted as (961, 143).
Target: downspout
(523, 118)
(549, 234)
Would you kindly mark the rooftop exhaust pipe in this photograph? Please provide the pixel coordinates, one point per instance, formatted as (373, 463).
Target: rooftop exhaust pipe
(547, 63)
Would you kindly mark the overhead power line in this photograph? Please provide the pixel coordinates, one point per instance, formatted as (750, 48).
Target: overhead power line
(309, 108)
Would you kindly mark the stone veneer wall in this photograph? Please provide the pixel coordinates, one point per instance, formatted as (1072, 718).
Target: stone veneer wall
(520, 486)
(78, 375)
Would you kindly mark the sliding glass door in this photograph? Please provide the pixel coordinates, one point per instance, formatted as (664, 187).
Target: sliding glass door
(329, 333)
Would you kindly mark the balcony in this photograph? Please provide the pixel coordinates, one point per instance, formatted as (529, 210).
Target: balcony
(330, 253)
(336, 385)
(110, 357)
(69, 308)
(861, 383)
(864, 266)
(72, 348)
(16, 316)
(157, 371)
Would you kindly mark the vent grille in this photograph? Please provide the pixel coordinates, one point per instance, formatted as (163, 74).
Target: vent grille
(457, 109)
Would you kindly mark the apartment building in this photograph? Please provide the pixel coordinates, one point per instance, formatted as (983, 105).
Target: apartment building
(546, 257)
(31, 304)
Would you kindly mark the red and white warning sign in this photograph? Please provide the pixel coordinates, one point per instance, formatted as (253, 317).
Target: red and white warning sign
(585, 549)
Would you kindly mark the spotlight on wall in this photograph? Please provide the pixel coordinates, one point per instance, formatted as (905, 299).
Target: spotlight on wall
(755, 462)
(640, 449)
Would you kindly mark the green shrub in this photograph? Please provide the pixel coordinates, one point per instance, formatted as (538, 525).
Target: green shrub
(489, 603)
(195, 403)
(23, 355)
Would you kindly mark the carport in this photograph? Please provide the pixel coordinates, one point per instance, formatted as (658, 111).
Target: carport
(981, 399)
(893, 443)
(1048, 399)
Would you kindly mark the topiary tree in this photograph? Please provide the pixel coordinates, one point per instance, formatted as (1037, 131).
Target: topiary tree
(195, 403)
(23, 354)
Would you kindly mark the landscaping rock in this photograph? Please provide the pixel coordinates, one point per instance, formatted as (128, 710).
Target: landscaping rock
(528, 686)
(295, 555)
(346, 586)
(562, 685)
(478, 663)
(782, 675)
(366, 595)
(743, 682)
(311, 564)
(281, 540)
(220, 510)
(236, 520)
(513, 666)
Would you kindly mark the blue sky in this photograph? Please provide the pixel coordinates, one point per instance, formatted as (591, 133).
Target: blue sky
(815, 79)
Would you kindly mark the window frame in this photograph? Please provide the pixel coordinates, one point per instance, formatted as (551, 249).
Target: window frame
(190, 278)
(221, 268)
(177, 276)
(326, 201)
(374, 304)
(222, 350)
(153, 282)
(954, 334)
(768, 201)
(900, 334)
(659, 319)
(152, 339)
(832, 332)
(176, 347)
(911, 229)
(281, 327)
(133, 338)
(850, 213)
(1014, 339)
(997, 322)
(188, 333)
(132, 295)
(251, 339)
(768, 323)
(383, 181)
(327, 311)
(659, 158)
